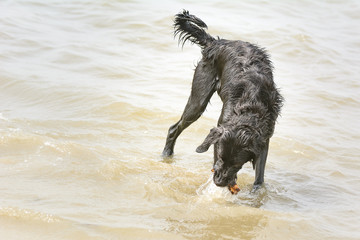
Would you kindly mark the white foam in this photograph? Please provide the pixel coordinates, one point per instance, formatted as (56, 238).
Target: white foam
(3, 118)
(210, 191)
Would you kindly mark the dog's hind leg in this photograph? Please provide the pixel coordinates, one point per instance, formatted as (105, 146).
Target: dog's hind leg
(203, 87)
(260, 163)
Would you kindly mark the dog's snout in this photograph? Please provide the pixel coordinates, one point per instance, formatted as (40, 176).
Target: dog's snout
(219, 179)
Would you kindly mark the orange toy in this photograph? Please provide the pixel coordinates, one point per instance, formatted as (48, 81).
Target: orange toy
(234, 189)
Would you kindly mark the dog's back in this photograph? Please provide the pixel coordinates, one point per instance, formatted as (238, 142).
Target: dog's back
(245, 81)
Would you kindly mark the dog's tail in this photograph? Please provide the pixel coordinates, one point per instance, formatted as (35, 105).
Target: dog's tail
(190, 27)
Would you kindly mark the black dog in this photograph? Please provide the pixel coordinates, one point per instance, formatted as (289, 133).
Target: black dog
(241, 73)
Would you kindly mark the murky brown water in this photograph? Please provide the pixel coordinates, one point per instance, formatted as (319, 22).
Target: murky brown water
(88, 90)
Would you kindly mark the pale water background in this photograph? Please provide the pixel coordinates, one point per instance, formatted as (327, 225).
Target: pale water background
(88, 90)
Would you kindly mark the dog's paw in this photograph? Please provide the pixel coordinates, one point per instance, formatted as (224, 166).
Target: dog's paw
(255, 188)
(167, 153)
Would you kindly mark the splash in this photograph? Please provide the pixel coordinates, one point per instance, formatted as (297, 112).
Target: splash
(210, 192)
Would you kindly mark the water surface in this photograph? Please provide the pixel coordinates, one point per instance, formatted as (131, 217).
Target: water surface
(88, 90)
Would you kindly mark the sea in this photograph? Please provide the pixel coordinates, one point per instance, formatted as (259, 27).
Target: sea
(88, 90)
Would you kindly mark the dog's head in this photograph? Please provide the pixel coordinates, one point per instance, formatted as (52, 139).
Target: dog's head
(230, 153)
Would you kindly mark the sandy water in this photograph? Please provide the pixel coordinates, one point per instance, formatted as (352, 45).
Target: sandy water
(88, 90)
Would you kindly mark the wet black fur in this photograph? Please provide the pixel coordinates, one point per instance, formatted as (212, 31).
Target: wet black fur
(241, 73)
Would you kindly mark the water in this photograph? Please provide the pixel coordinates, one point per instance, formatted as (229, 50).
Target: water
(88, 90)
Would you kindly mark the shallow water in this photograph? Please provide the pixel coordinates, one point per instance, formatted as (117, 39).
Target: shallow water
(88, 90)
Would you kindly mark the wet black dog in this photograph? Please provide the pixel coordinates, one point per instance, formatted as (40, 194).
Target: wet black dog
(241, 73)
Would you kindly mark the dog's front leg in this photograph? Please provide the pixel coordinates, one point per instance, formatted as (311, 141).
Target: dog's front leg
(203, 87)
(260, 163)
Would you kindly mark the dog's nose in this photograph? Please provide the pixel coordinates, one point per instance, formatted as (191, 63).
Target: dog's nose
(218, 179)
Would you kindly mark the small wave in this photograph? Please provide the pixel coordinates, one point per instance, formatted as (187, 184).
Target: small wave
(123, 111)
(26, 214)
(209, 192)
(3, 118)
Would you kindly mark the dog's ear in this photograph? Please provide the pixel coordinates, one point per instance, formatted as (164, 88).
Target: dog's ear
(214, 136)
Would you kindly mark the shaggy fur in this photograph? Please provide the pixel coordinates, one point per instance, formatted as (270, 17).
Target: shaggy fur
(241, 73)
